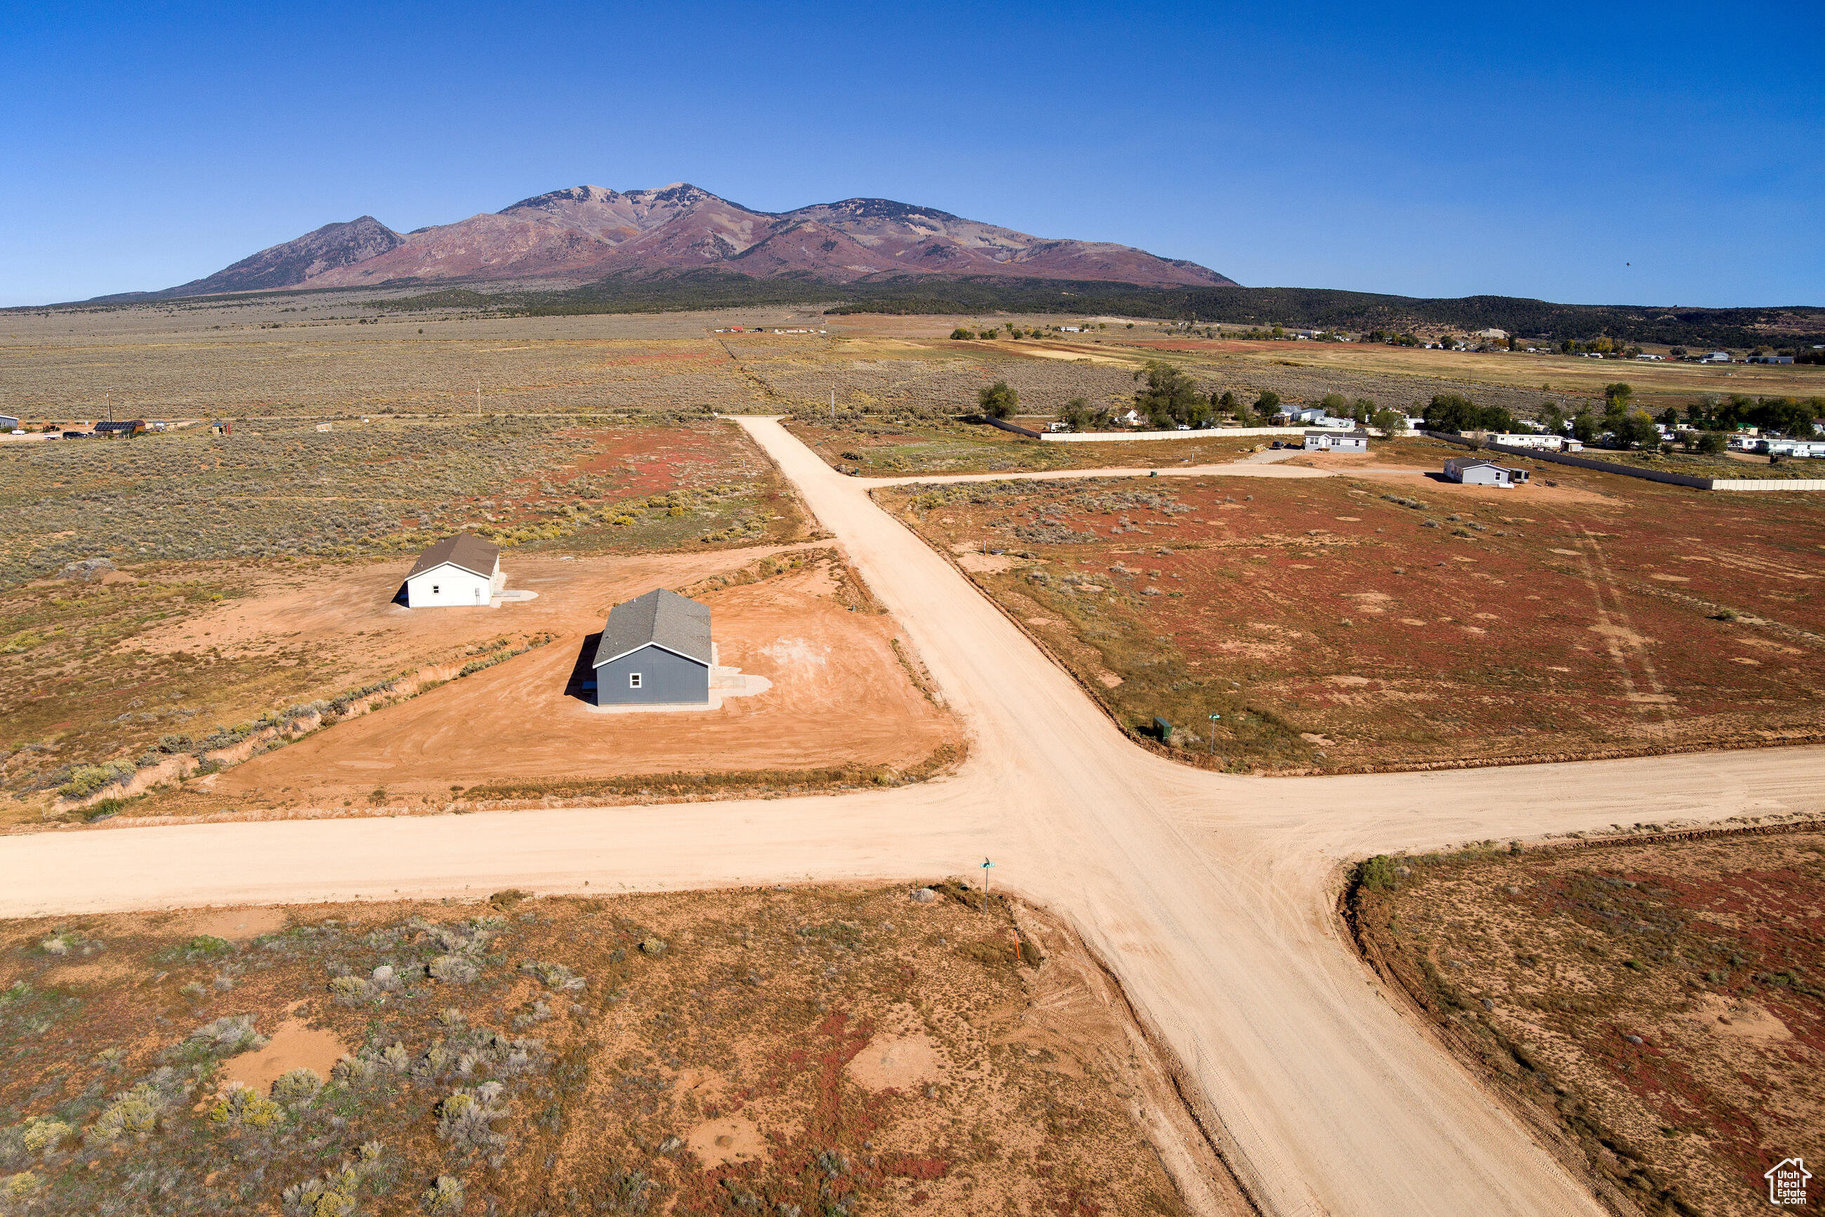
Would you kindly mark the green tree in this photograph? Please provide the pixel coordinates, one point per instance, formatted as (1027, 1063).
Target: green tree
(1170, 397)
(998, 400)
(1077, 413)
(1227, 403)
(1456, 413)
(1712, 443)
(960, 332)
(1618, 394)
(1584, 427)
(1268, 404)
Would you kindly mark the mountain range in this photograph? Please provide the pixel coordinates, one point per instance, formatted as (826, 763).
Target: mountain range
(587, 232)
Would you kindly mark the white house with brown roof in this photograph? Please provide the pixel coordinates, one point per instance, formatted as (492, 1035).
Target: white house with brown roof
(463, 570)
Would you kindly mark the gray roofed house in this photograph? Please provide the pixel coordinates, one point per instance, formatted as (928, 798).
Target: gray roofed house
(1472, 471)
(655, 650)
(1336, 441)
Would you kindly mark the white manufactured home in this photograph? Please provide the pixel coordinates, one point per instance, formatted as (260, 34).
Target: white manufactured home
(1336, 441)
(459, 571)
(1472, 472)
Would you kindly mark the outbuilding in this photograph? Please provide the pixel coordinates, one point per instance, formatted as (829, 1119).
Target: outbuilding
(127, 426)
(8, 423)
(1336, 441)
(463, 570)
(655, 651)
(1473, 472)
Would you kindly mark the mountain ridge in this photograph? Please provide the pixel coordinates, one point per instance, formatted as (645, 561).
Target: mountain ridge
(586, 232)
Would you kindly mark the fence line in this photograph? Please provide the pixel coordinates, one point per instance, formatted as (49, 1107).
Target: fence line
(1633, 471)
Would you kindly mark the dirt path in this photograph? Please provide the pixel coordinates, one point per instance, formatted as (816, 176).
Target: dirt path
(1210, 896)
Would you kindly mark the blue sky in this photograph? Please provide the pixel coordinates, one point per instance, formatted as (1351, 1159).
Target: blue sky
(1667, 154)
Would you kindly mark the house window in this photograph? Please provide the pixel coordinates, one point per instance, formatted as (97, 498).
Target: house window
(435, 589)
(633, 680)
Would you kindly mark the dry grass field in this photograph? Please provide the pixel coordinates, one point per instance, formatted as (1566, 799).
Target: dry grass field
(280, 489)
(1387, 618)
(1657, 1007)
(782, 1051)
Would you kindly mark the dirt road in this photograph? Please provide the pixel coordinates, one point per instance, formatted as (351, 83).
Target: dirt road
(1209, 895)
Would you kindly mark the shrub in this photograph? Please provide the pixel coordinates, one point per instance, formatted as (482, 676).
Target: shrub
(21, 1189)
(230, 1034)
(136, 1112)
(466, 1119)
(453, 970)
(41, 1136)
(86, 780)
(1377, 873)
(351, 990)
(554, 976)
(243, 1107)
(445, 1196)
(296, 1086)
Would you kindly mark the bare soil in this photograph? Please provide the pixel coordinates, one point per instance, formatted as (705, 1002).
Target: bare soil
(1659, 1006)
(842, 701)
(697, 1053)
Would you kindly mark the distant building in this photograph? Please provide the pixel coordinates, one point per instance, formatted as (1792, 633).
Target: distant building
(1794, 447)
(1545, 441)
(131, 426)
(8, 423)
(656, 650)
(1334, 441)
(1473, 472)
(1770, 359)
(463, 570)
(1715, 357)
(1494, 335)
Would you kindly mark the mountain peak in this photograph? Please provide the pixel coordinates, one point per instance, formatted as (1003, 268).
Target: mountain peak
(588, 232)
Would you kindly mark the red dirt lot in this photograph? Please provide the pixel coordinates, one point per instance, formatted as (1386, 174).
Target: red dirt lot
(841, 699)
(1392, 620)
(1658, 1006)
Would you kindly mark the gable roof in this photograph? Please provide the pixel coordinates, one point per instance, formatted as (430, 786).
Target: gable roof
(1470, 462)
(463, 551)
(659, 618)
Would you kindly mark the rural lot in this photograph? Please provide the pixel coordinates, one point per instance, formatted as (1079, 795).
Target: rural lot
(1382, 618)
(770, 1050)
(1661, 1003)
(235, 711)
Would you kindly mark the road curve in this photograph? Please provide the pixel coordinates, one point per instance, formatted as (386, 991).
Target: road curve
(1209, 895)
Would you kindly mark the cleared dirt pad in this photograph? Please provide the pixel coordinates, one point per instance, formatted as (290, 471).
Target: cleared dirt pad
(694, 1053)
(1660, 1005)
(839, 697)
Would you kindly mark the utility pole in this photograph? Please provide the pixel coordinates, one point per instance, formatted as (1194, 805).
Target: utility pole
(108, 398)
